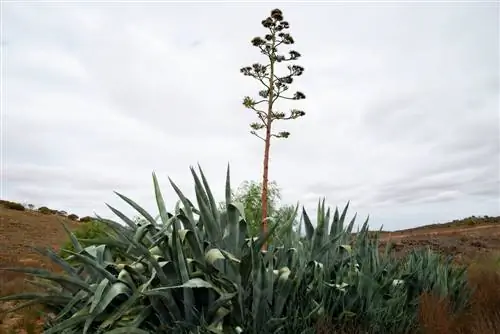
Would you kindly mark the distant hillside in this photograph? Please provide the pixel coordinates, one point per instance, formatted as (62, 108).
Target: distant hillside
(458, 223)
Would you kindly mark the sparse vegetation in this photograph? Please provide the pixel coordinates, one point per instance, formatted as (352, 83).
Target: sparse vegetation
(46, 211)
(458, 223)
(12, 205)
(86, 219)
(72, 216)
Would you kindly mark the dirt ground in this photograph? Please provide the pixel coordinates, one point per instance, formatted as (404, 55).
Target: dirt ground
(465, 241)
(465, 244)
(19, 229)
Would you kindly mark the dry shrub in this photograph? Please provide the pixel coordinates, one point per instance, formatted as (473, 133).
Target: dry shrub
(434, 315)
(12, 205)
(481, 317)
(484, 313)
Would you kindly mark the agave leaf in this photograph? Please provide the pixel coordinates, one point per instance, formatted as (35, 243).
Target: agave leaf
(211, 199)
(36, 297)
(269, 265)
(182, 266)
(193, 283)
(55, 258)
(138, 208)
(114, 226)
(240, 209)
(93, 264)
(198, 183)
(233, 212)
(318, 235)
(127, 330)
(264, 238)
(229, 256)
(237, 228)
(47, 286)
(276, 324)
(125, 277)
(187, 205)
(109, 294)
(259, 309)
(100, 253)
(308, 225)
(343, 215)
(228, 191)
(123, 217)
(77, 298)
(98, 294)
(66, 281)
(76, 245)
(284, 288)
(67, 324)
(327, 246)
(351, 224)
(223, 300)
(161, 203)
(334, 226)
(125, 307)
(144, 252)
(194, 245)
(112, 244)
(210, 224)
(143, 230)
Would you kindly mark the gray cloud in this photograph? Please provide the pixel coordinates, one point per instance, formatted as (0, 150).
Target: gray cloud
(402, 117)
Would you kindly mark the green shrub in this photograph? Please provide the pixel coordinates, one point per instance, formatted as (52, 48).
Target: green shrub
(12, 205)
(89, 230)
(197, 271)
(86, 219)
(72, 216)
(46, 211)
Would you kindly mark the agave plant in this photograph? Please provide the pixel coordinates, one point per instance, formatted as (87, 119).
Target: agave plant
(195, 270)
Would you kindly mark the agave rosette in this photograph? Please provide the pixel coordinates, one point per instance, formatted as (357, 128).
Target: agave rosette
(195, 270)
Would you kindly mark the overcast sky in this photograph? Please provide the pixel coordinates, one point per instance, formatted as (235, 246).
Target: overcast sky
(402, 106)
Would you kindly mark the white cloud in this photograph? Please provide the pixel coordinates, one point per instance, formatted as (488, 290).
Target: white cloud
(402, 106)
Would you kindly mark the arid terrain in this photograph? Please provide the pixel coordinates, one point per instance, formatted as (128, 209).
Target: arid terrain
(464, 243)
(467, 240)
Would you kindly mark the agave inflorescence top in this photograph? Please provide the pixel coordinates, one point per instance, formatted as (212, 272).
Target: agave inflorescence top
(196, 271)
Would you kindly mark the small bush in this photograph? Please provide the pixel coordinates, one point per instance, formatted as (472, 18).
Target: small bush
(86, 219)
(46, 211)
(12, 205)
(92, 229)
(73, 217)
